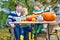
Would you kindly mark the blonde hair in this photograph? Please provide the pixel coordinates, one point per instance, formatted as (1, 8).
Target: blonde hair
(24, 11)
(38, 4)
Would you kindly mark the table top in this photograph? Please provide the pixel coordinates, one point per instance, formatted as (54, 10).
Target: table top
(34, 22)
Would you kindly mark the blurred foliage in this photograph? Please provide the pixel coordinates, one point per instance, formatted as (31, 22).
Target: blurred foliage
(3, 17)
(26, 3)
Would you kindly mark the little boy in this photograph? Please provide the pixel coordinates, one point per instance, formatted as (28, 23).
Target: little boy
(28, 29)
(38, 9)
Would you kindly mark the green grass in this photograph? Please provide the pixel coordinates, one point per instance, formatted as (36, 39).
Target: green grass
(5, 35)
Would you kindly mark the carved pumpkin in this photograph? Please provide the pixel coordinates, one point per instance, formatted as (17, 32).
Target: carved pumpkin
(49, 16)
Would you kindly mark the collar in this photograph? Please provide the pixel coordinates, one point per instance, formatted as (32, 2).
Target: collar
(19, 14)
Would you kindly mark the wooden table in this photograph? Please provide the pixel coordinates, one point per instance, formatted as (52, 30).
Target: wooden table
(47, 22)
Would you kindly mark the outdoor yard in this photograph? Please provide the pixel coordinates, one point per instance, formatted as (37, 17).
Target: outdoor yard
(5, 35)
(46, 10)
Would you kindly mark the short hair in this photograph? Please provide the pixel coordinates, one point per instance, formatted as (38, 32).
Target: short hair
(18, 3)
(24, 9)
(37, 3)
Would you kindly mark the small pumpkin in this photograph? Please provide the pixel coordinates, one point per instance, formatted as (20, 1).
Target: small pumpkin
(30, 17)
(49, 16)
(34, 16)
(33, 19)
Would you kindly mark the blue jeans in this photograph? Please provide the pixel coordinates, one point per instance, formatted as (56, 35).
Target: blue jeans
(18, 30)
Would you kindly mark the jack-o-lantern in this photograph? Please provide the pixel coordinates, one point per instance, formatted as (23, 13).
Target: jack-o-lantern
(49, 16)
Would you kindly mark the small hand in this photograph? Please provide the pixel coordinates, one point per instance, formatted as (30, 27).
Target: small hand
(12, 25)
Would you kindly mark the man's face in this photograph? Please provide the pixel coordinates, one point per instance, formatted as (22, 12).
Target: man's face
(18, 8)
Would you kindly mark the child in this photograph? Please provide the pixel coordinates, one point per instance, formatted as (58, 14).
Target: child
(38, 9)
(26, 26)
(19, 31)
(24, 14)
(24, 11)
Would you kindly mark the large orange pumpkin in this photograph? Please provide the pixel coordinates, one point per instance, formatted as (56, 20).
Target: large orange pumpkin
(49, 16)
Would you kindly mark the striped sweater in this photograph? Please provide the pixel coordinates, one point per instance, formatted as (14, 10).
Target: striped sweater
(13, 16)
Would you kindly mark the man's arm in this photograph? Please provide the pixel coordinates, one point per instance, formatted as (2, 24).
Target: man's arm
(10, 19)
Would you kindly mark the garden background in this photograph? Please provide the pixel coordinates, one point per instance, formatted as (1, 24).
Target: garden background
(8, 5)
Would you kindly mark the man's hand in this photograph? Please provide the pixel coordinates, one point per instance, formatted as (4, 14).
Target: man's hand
(12, 25)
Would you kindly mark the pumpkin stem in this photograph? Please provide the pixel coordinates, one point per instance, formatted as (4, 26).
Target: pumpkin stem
(50, 9)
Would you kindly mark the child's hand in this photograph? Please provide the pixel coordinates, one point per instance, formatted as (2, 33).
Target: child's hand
(12, 25)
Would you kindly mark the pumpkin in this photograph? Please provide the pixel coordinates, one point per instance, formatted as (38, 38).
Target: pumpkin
(49, 16)
(33, 19)
(34, 16)
(30, 17)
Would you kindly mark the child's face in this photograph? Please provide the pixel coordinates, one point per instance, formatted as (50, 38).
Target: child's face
(25, 12)
(18, 8)
(36, 8)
